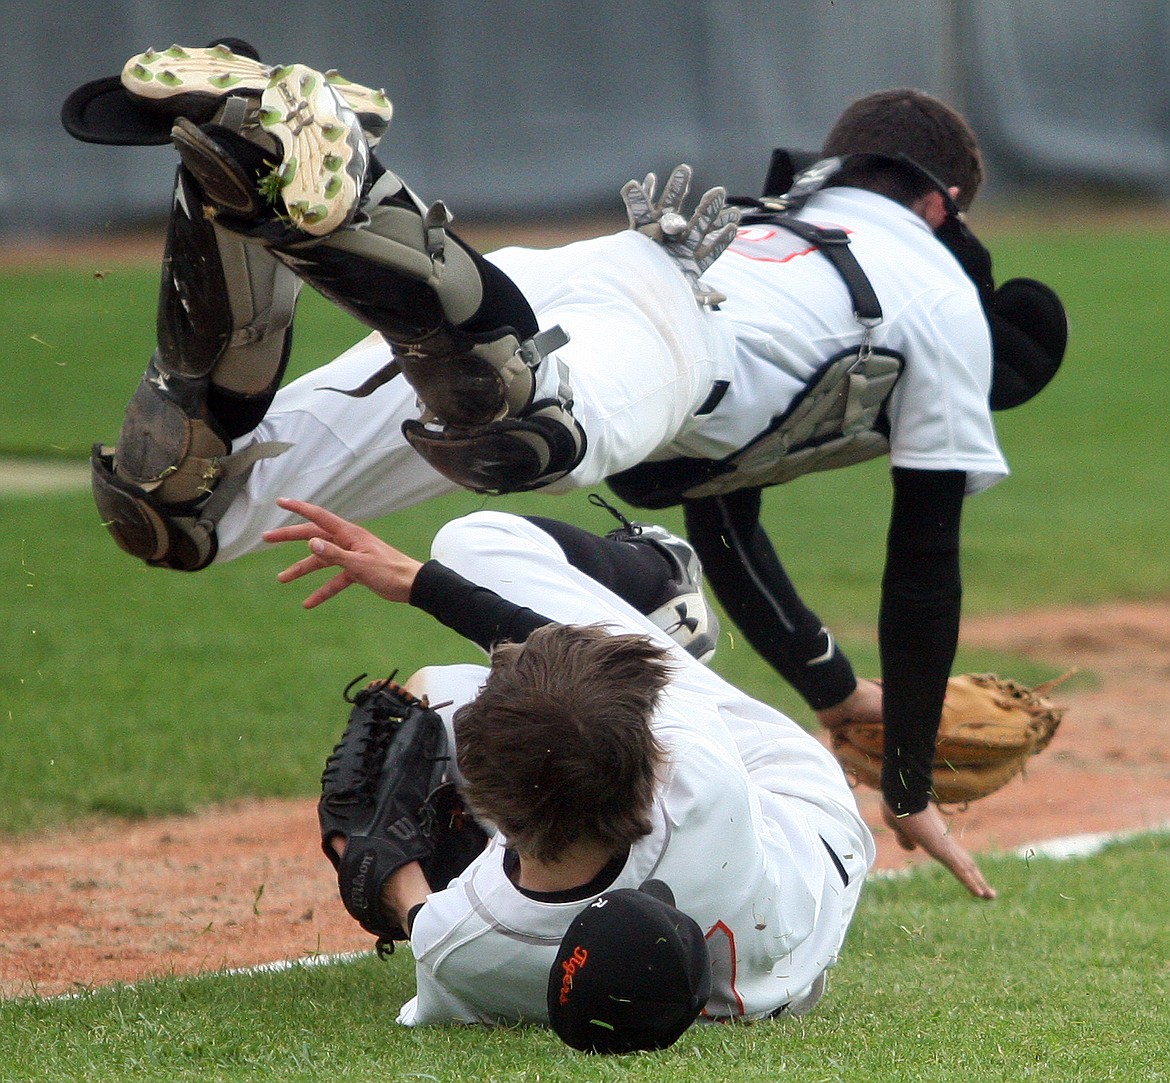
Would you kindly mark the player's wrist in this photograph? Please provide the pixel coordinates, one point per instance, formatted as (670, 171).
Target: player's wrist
(403, 892)
(905, 789)
(863, 704)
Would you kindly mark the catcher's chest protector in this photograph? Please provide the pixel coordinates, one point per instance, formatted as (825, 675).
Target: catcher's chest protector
(835, 422)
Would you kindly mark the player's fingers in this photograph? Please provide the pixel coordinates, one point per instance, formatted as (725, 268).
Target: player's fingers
(326, 520)
(638, 209)
(709, 208)
(715, 243)
(329, 590)
(676, 187)
(304, 566)
(325, 555)
(964, 869)
(296, 532)
(329, 554)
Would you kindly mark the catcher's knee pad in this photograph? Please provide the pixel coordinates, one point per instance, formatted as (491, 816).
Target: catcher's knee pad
(508, 456)
(464, 336)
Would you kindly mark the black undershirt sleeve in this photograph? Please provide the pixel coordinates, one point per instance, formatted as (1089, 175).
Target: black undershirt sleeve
(636, 573)
(742, 568)
(475, 612)
(918, 626)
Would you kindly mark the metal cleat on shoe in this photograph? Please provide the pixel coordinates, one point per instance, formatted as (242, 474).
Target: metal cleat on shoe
(324, 155)
(195, 83)
(371, 107)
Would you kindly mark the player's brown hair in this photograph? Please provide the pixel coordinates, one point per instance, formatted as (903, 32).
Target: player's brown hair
(913, 123)
(557, 747)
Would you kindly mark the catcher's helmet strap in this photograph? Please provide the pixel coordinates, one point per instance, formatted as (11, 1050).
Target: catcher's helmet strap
(786, 164)
(795, 175)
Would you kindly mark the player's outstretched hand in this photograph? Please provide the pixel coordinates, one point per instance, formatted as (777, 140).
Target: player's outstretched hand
(928, 830)
(335, 542)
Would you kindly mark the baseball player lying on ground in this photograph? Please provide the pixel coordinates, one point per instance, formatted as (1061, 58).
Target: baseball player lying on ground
(681, 360)
(605, 756)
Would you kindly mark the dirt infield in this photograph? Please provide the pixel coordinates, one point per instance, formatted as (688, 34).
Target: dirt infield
(246, 885)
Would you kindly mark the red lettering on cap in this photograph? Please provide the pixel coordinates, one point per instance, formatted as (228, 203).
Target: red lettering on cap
(570, 967)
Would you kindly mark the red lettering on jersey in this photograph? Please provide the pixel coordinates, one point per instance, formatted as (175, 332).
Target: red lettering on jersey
(570, 967)
(721, 945)
(771, 244)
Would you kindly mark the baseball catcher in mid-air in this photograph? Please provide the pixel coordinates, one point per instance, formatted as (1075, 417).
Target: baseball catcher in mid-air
(696, 359)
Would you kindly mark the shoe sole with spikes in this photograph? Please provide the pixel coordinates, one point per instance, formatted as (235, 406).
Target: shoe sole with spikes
(324, 153)
(193, 82)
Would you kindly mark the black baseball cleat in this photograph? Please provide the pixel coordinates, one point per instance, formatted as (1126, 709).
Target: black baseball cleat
(683, 612)
(312, 181)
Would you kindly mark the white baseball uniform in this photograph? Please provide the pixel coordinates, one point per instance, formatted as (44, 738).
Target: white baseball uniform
(643, 357)
(745, 817)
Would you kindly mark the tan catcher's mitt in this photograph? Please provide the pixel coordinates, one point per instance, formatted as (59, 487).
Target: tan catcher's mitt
(990, 727)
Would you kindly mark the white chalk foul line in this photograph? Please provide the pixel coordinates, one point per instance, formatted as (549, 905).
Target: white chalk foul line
(1085, 845)
(1059, 849)
(278, 965)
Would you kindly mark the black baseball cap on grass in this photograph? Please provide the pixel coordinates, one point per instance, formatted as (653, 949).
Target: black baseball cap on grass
(632, 973)
(103, 111)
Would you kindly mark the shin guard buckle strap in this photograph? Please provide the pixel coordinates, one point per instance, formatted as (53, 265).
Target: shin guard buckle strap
(463, 382)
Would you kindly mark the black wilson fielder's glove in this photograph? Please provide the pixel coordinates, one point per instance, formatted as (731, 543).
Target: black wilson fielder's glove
(386, 793)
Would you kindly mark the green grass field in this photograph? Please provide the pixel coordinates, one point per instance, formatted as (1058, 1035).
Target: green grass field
(132, 692)
(1062, 980)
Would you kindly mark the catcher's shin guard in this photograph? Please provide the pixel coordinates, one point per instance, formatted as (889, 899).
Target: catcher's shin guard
(224, 319)
(463, 334)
